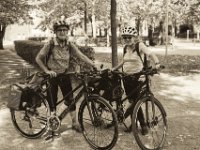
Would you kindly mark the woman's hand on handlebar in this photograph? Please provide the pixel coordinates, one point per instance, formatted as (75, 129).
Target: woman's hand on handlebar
(51, 73)
(160, 67)
(157, 66)
(94, 68)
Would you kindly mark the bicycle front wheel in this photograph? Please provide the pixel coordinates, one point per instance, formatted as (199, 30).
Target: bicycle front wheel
(31, 122)
(149, 124)
(99, 123)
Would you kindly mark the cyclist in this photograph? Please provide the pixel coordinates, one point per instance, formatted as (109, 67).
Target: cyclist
(131, 63)
(58, 52)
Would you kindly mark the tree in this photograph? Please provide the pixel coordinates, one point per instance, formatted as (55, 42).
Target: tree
(113, 13)
(13, 11)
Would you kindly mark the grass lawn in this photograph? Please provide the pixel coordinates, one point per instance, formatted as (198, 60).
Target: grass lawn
(175, 64)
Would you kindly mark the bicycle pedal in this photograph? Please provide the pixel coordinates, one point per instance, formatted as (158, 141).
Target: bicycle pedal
(48, 138)
(52, 136)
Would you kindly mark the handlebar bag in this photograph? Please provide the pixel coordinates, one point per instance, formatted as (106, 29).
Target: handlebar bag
(111, 87)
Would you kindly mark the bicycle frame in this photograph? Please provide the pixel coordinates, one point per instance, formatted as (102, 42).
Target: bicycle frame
(144, 92)
(84, 90)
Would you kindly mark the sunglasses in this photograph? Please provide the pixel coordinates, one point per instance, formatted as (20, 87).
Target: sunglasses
(62, 30)
(127, 37)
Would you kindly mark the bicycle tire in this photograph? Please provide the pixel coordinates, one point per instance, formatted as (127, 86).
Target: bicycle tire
(31, 125)
(152, 125)
(101, 124)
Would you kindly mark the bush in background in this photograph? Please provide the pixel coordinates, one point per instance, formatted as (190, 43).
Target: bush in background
(174, 64)
(37, 38)
(28, 50)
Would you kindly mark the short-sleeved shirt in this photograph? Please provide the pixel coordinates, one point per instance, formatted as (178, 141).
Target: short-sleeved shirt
(59, 57)
(132, 62)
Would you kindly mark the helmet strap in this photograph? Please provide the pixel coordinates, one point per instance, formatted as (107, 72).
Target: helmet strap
(62, 42)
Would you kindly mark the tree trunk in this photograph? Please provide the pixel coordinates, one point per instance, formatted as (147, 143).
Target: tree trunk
(138, 24)
(113, 13)
(2, 33)
(93, 19)
(161, 33)
(85, 17)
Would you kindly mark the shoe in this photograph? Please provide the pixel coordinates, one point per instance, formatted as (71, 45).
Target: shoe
(77, 128)
(109, 125)
(144, 130)
(52, 136)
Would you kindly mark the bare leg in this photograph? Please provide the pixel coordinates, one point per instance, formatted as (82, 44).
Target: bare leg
(75, 125)
(73, 117)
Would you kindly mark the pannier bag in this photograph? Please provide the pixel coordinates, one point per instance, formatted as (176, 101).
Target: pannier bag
(111, 87)
(18, 94)
(24, 95)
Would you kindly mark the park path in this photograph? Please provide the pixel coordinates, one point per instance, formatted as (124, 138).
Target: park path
(13, 69)
(182, 106)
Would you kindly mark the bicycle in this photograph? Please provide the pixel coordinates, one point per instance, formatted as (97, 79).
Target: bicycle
(94, 114)
(146, 104)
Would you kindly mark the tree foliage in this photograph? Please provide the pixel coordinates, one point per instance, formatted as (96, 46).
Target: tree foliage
(13, 11)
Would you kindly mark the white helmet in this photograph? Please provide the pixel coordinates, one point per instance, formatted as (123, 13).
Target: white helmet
(60, 23)
(129, 31)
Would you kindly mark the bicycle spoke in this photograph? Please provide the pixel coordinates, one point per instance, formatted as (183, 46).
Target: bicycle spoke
(32, 122)
(97, 133)
(156, 122)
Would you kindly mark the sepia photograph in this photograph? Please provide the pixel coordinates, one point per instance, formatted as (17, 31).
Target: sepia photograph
(99, 74)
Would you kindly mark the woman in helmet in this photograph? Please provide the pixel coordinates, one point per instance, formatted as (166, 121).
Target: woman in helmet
(133, 44)
(59, 50)
(132, 63)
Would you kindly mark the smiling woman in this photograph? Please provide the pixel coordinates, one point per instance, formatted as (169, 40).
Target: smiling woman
(58, 53)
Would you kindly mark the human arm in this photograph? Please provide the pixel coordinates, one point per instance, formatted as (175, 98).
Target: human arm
(41, 56)
(81, 56)
(118, 66)
(145, 50)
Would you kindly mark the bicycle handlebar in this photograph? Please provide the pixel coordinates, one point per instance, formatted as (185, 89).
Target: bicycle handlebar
(98, 73)
(93, 73)
(151, 71)
(146, 71)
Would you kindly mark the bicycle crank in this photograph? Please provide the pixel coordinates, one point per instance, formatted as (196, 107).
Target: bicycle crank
(53, 122)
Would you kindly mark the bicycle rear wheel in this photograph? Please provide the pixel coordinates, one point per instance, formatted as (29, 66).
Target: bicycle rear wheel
(31, 122)
(151, 133)
(99, 123)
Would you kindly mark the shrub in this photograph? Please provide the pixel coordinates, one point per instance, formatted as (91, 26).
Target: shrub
(28, 50)
(184, 35)
(37, 38)
(185, 27)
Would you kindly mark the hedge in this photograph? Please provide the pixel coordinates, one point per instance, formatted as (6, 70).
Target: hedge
(28, 50)
(37, 38)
